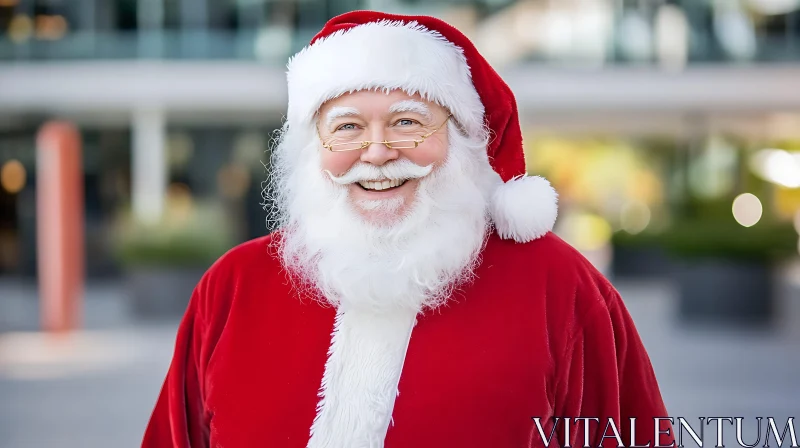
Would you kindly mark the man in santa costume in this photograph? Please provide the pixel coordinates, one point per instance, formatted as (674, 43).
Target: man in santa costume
(414, 295)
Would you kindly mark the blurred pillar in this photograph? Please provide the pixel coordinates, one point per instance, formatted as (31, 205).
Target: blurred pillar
(60, 226)
(149, 177)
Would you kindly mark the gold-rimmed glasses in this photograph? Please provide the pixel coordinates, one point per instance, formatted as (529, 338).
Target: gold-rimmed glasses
(394, 144)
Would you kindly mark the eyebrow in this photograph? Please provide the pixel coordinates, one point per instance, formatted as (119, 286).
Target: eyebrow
(411, 106)
(338, 112)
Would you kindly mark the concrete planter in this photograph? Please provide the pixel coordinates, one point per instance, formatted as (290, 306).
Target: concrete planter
(640, 262)
(721, 291)
(156, 292)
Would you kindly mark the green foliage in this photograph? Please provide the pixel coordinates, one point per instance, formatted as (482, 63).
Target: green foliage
(703, 239)
(707, 228)
(193, 239)
(697, 238)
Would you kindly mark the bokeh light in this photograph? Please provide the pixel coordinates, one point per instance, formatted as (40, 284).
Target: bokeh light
(635, 217)
(12, 176)
(50, 27)
(777, 166)
(586, 231)
(747, 209)
(20, 28)
(180, 203)
(233, 181)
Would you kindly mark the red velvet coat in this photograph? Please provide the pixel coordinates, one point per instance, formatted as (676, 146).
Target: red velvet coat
(539, 333)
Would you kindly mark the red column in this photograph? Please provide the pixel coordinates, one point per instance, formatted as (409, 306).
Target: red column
(60, 226)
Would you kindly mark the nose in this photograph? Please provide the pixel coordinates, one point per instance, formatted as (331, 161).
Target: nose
(378, 154)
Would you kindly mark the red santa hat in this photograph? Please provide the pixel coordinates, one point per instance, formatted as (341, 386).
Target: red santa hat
(419, 54)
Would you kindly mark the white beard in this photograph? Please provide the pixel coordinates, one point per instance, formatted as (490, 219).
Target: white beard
(413, 264)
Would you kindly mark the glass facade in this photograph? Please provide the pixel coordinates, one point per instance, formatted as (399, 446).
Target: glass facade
(588, 31)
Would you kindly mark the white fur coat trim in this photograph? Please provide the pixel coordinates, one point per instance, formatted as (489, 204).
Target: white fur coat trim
(361, 379)
(383, 55)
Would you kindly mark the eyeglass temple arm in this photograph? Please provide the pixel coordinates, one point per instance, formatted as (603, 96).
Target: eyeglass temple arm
(439, 127)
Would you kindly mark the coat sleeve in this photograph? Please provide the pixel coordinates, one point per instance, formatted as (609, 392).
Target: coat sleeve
(606, 376)
(179, 418)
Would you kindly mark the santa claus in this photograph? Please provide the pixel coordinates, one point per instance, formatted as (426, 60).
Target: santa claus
(414, 294)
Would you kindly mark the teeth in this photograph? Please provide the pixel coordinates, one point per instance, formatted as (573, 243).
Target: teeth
(381, 185)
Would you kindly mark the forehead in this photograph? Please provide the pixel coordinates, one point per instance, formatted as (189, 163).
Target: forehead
(366, 101)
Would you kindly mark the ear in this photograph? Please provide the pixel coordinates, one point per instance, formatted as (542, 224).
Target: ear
(524, 208)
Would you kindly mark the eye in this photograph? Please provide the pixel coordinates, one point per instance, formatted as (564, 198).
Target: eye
(406, 122)
(346, 127)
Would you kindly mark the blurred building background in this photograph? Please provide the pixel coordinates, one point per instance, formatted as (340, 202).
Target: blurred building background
(670, 128)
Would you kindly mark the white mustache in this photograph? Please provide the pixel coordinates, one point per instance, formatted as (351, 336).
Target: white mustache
(399, 170)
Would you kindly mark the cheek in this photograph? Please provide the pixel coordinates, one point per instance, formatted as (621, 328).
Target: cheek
(338, 163)
(428, 154)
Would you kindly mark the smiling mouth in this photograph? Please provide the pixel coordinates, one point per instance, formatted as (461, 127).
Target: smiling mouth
(388, 184)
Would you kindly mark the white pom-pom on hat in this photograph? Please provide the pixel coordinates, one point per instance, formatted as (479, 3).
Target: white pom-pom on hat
(524, 208)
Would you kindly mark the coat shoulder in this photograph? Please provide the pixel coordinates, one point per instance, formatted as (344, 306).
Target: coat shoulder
(247, 265)
(572, 287)
(552, 255)
(256, 254)
(253, 248)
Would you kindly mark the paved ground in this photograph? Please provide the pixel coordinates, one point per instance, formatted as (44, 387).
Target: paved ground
(97, 389)
(93, 390)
